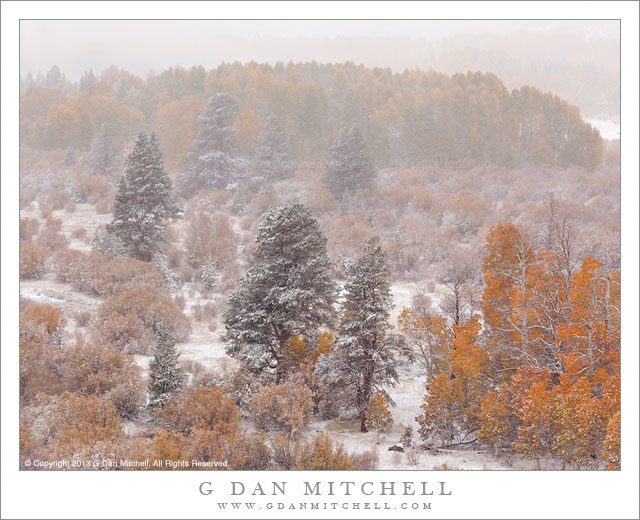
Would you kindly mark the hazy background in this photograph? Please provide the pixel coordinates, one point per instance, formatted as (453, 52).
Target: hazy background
(578, 60)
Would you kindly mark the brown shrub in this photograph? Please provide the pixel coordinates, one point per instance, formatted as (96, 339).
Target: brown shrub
(248, 452)
(82, 318)
(175, 255)
(229, 278)
(50, 236)
(172, 233)
(45, 211)
(366, 460)
(91, 188)
(28, 229)
(206, 312)
(413, 456)
(285, 407)
(323, 454)
(126, 332)
(210, 239)
(39, 362)
(56, 199)
(43, 314)
(26, 199)
(68, 265)
(64, 425)
(79, 233)
(201, 409)
(128, 319)
(106, 371)
(32, 259)
(105, 275)
(179, 301)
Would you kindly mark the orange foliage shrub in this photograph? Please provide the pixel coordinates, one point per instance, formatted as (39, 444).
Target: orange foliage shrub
(44, 314)
(201, 409)
(66, 424)
(32, 258)
(39, 362)
(322, 454)
(378, 416)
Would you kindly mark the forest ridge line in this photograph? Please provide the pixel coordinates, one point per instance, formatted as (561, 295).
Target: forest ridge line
(426, 117)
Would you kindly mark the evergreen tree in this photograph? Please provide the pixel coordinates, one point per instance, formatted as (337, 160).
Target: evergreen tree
(143, 202)
(213, 152)
(286, 292)
(165, 374)
(273, 156)
(210, 275)
(105, 150)
(363, 360)
(349, 167)
(87, 81)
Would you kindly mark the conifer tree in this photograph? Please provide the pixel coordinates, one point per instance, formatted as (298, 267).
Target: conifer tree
(144, 201)
(165, 374)
(363, 361)
(273, 156)
(213, 152)
(286, 292)
(105, 150)
(349, 167)
(210, 275)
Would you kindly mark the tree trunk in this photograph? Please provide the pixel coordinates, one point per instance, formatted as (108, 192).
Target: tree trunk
(366, 394)
(363, 420)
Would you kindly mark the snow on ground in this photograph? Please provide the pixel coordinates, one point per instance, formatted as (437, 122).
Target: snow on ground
(84, 216)
(62, 295)
(205, 347)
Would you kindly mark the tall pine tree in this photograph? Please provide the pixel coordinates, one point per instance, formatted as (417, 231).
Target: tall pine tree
(286, 292)
(349, 167)
(165, 374)
(144, 200)
(214, 151)
(273, 155)
(363, 362)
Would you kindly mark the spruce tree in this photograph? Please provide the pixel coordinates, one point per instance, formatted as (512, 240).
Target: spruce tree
(349, 167)
(165, 374)
(105, 150)
(363, 362)
(272, 156)
(213, 152)
(287, 291)
(144, 201)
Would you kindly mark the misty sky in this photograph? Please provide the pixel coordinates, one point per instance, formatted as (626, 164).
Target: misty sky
(144, 46)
